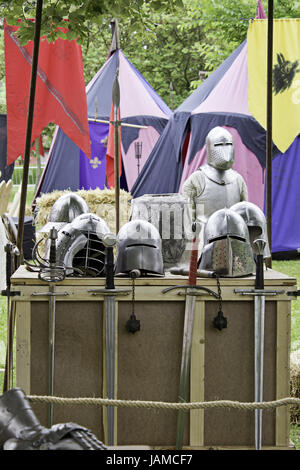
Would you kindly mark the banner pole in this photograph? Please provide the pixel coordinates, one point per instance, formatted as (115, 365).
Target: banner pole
(36, 44)
(269, 144)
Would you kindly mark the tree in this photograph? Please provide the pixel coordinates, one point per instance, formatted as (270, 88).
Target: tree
(171, 42)
(78, 13)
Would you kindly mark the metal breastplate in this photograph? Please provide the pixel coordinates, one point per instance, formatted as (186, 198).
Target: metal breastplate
(217, 195)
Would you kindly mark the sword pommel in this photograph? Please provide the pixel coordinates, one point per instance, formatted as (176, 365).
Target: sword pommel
(259, 245)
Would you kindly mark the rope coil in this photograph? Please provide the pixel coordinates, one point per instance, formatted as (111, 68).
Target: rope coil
(165, 405)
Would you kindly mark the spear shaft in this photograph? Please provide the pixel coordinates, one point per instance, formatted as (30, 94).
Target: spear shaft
(116, 106)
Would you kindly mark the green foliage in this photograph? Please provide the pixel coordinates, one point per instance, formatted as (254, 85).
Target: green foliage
(295, 435)
(77, 13)
(170, 53)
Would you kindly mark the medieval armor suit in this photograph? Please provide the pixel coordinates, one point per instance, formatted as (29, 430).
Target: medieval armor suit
(215, 185)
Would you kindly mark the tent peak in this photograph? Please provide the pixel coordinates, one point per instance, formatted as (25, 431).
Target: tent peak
(115, 42)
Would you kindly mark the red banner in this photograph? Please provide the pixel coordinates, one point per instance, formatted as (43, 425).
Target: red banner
(110, 154)
(60, 91)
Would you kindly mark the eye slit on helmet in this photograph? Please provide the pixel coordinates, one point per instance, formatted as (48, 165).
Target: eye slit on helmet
(143, 244)
(218, 144)
(224, 237)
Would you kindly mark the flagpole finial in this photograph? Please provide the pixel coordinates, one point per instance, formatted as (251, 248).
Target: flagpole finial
(116, 91)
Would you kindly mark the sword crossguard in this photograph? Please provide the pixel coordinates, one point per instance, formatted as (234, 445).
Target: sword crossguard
(258, 292)
(111, 292)
(190, 289)
(49, 294)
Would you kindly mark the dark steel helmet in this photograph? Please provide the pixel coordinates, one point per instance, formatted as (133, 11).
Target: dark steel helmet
(64, 210)
(139, 246)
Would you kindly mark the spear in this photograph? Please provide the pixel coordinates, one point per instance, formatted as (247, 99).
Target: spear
(116, 123)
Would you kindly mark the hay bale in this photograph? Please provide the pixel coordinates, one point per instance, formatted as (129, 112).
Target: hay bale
(100, 202)
(295, 385)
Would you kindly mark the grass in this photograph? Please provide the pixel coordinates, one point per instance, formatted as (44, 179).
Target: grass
(291, 268)
(29, 194)
(295, 435)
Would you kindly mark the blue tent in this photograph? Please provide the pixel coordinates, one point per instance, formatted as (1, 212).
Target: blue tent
(68, 168)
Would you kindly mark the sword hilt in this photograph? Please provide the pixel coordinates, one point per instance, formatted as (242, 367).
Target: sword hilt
(193, 260)
(10, 250)
(109, 241)
(259, 245)
(52, 273)
(52, 254)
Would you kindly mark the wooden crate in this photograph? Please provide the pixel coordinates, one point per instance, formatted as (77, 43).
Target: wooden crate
(148, 362)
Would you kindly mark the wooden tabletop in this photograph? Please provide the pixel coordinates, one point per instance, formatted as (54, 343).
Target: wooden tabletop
(22, 276)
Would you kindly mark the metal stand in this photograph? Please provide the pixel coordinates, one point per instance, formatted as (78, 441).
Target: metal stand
(138, 153)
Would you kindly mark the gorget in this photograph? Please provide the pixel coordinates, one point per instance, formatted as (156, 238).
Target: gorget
(218, 176)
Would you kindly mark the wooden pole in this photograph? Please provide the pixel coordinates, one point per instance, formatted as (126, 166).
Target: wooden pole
(116, 104)
(38, 164)
(269, 139)
(36, 44)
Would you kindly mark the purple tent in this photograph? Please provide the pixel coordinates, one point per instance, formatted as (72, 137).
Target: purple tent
(68, 168)
(222, 100)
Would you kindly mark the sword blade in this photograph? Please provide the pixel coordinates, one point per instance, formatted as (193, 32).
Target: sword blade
(52, 307)
(259, 325)
(110, 362)
(190, 302)
(185, 363)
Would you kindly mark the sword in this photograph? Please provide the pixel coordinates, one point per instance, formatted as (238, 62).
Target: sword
(190, 303)
(110, 292)
(51, 274)
(259, 293)
(11, 253)
(110, 300)
(259, 326)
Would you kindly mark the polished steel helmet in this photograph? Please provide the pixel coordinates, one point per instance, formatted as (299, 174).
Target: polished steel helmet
(223, 223)
(139, 246)
(227, 250)
(64, 210)
(256, 222)
(80, 245)
(220, 148)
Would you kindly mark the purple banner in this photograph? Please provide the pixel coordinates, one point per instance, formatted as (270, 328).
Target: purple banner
(92, 172)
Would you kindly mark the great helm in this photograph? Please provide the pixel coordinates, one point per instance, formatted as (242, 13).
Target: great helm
(256, 222)
(220, 148)
(227, 250)
(139, 246)
(64, 210)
